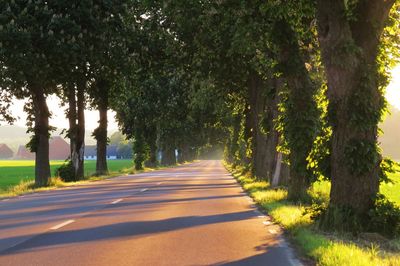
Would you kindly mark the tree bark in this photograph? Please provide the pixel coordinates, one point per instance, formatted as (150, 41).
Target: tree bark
(234, 148)
(152, 144)
(168, 154)
(277, 173)
(101, 138)
(78, 156)
(100, 133)
(351, 73)
(258, 138)
(72, 117)
(41, 136)
(301, 110)
(271, 114)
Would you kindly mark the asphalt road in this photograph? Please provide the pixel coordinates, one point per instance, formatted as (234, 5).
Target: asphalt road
(194, 214)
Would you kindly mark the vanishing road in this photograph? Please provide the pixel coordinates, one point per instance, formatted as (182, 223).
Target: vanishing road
(194, 214)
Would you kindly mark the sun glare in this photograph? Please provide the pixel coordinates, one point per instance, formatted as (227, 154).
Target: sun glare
(393, 90)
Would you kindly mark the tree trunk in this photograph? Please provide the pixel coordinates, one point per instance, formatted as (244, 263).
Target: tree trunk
(139, 148)
(245, 152)
(168, 154)
(100, 133)
(271, 114)
(302, 116)
(101, 138)
(40, 141)
(277, 174)
(152, 144)
(191, 154)
(72, 117)
(355, 104)
(180, 157)
(234, 148)
(78, 156)
(258, 138)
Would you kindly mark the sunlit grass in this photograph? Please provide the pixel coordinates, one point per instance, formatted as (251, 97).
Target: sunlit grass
(13, 172)
(116, 167)
(392, 191)
(329, 250)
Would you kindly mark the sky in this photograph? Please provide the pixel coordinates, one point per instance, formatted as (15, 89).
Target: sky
(393, 90)
(58, 113)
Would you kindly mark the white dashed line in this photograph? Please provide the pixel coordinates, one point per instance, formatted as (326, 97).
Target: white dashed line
(267, 223)
(5, 199)
(261, 216)
(62, 224)
(143, 190)
(116, 201)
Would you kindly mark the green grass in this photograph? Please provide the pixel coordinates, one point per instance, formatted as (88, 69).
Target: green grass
(392, 191)
(13, 172)
(325, 249)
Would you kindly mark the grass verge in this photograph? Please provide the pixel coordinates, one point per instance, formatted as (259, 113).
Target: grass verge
(324, 249)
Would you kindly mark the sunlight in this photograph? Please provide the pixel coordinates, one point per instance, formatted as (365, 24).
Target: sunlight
(393, 90)
(58, 115)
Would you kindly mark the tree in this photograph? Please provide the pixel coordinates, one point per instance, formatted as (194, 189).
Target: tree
(27, 57)
(350, 35)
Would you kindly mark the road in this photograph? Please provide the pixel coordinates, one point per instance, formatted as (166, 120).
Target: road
(195, 214)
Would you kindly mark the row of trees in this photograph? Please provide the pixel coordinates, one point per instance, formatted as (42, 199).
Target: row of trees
(292, 89)
(298, 86)
(102, 55)
(68, 48)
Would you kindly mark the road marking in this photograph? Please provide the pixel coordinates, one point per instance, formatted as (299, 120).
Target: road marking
(5, 199)
(267, 223)
(143, 190)
(116, 201)
(159, 183)
(261, 216)
(62, 224)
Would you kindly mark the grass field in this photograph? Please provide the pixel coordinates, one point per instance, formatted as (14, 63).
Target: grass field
(12, 172)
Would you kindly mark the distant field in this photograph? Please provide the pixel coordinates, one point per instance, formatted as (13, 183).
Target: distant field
(13, 171)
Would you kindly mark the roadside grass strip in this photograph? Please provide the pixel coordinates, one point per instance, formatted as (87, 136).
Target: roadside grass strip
(324, 248)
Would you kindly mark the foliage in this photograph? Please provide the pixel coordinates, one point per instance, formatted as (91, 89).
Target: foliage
(66, 172)
(385, 217)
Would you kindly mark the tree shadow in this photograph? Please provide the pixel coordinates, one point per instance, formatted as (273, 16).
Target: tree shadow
(122, 230)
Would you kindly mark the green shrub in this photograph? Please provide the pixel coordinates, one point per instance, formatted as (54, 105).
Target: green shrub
(66, 172)
(385, 218)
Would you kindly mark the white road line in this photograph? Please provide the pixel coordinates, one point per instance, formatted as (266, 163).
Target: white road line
(58, 226)
(159, 183)
(116, 201)
(267, 223)
(5, 199)
(261, 216)
(143, 190)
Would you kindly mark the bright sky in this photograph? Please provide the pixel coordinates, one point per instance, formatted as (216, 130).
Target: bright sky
(393, 90)
(58, 118)
(58, 115)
